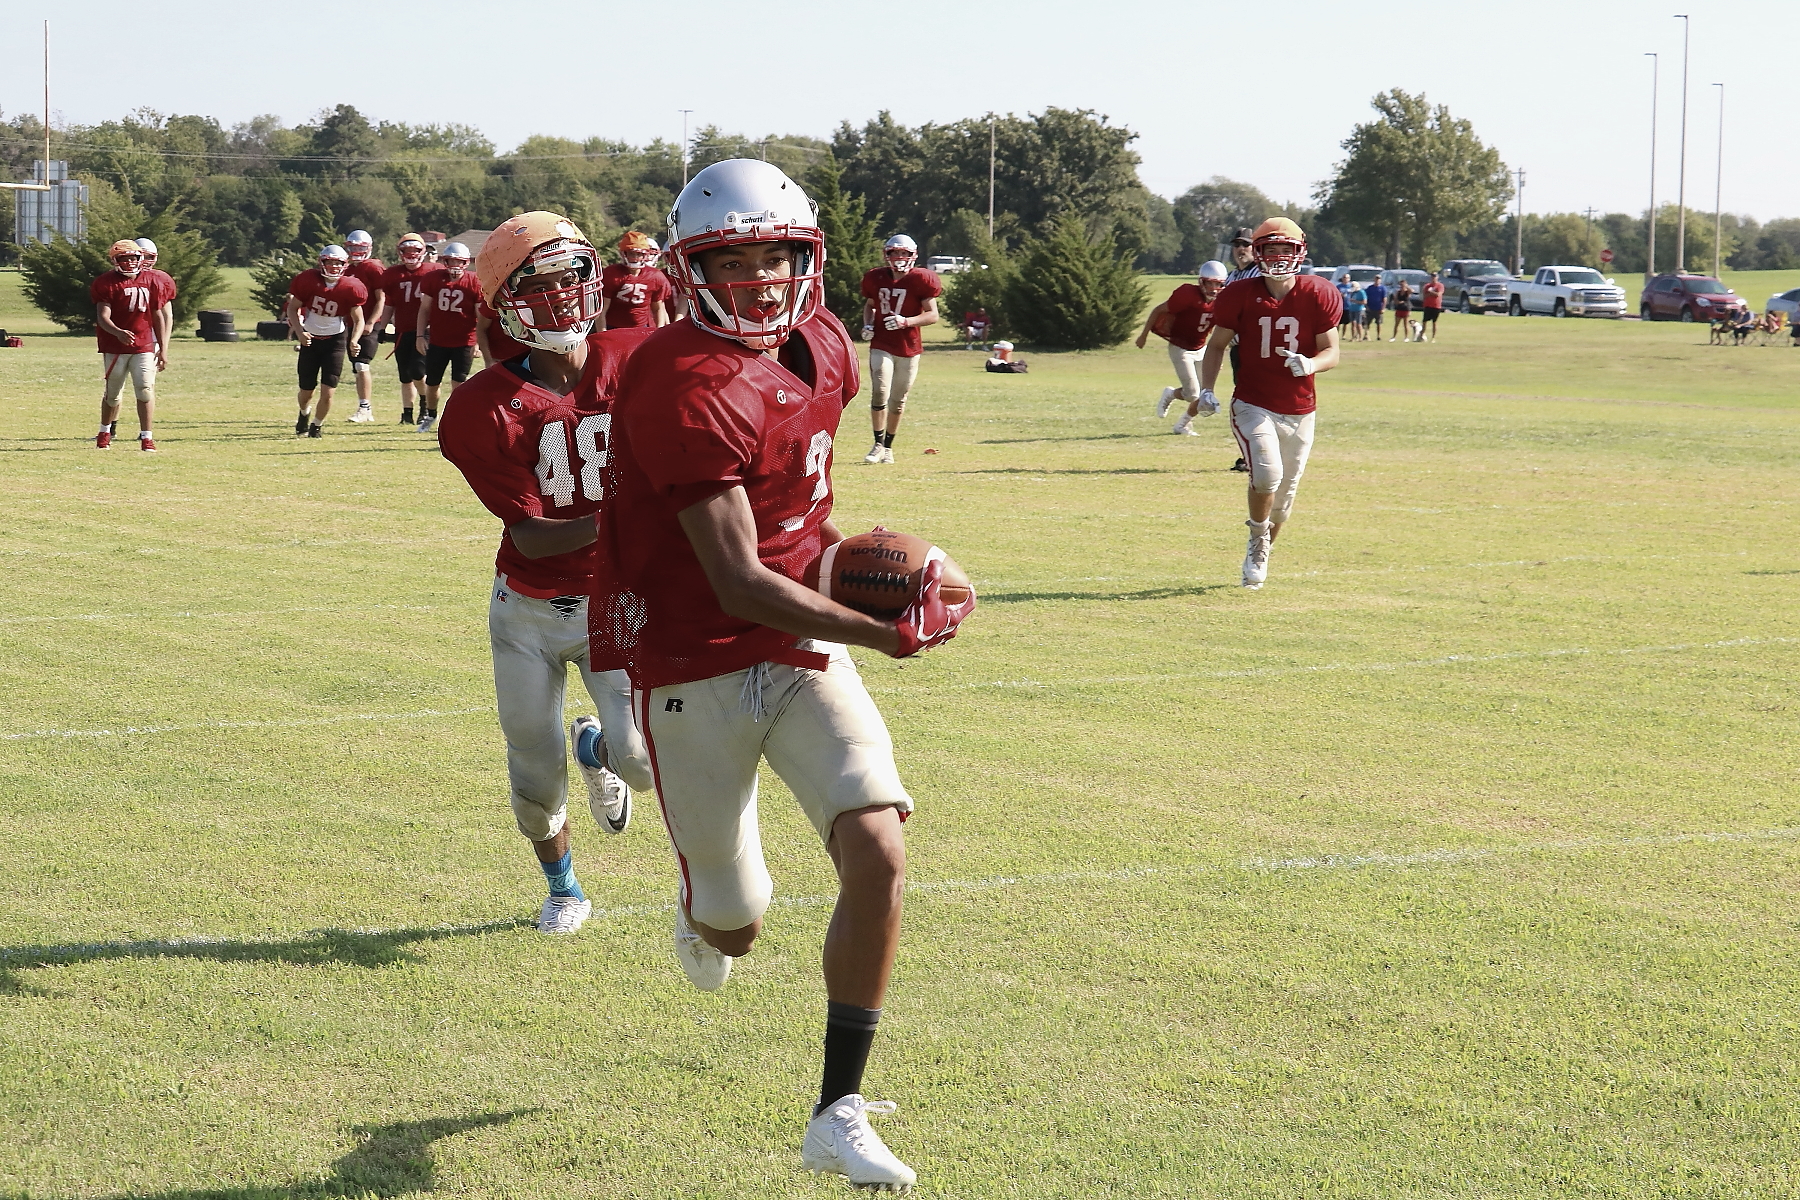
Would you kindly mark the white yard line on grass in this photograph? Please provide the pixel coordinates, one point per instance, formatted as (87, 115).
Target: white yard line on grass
(358, 608)
(1328, 862)
(340, 719)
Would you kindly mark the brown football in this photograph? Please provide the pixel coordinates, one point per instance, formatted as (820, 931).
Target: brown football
(880, 572)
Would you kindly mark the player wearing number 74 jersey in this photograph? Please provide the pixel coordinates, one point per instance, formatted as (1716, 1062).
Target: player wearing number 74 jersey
(1286, 327)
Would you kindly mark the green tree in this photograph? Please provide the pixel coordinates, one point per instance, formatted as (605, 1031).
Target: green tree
(1073, 293)
(270, 276)
(851, 247)
(57, 275)
(1567, 239)
(1414, 176)
(985, 284)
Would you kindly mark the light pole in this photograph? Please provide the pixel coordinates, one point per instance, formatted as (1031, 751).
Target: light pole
(44, 186)
(990, 177)
(684, 146)
(1650, 255)
(1519, 227)
(1681, 178)
(1719, 184)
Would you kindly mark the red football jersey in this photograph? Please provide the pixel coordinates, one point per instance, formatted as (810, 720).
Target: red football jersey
(1190, 316)
(325, 308)
(405, 290)
(630, 294)
(135, 301)
(528, 452)
(904, 297)
(502, 344)
(369, 272)
(1263, 325)
(453, 303)
(698, 414)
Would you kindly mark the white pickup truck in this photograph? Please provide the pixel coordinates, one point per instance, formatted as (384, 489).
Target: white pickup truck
(1558, 291)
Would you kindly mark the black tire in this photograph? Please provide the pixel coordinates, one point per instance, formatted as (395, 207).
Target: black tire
(1515, 308)
(1644, 313)
(1463, 306)
(1559, 310)
(1687, 315)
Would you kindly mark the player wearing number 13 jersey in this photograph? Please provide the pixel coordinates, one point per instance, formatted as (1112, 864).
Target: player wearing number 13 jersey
(1286, 329)
(532, 435)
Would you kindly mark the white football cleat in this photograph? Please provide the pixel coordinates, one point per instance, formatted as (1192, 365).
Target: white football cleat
(564, 914)
(1162, 405)
(839, 1141)
(1185, 427)
(609, 797)
(1256, 558)
(874, 456)
(363, 415)
(887, 454)
(425, 422)
(707, 967)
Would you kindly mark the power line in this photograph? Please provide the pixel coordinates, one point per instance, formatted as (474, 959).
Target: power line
(277, 156)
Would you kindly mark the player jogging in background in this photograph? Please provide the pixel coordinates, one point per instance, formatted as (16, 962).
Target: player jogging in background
(1243, 266)
(531, 435)
(1183, 319)
(898, 300)
(446, 326)
(634, 293)
(165, 316)
(325, 311)
(718, 506)
(127, 304)
(1286, 327)
(403, 291)
(367, 270)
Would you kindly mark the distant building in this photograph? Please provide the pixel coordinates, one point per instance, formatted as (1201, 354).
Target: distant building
(41, 216)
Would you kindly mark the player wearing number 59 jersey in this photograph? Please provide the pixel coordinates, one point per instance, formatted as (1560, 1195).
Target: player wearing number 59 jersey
(1285, 324)
(532, 436)
(325, 311)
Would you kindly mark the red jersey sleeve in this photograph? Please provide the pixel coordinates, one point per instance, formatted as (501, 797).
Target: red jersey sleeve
(478, 440)
(871, 285)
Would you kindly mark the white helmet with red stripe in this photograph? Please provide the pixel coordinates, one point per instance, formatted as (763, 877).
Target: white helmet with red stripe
(149, 249)
(1279, 247)
(901, 253)
(455, 257)
(735, 203)
(541, 276)
(359, 244)
(333, 262)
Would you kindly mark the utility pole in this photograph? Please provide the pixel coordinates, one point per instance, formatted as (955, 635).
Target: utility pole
(684, 146)
(1519, 227)
(1681, 178)
(1650, 256)
(990, 177)
(1719, 184)
(44, 186)
(1590, 218)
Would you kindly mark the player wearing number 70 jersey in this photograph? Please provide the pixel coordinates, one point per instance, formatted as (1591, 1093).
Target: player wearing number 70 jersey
(532, 436)
(1286, 327)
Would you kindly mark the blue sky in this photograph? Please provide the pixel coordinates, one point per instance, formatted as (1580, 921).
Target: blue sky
(1259, 94)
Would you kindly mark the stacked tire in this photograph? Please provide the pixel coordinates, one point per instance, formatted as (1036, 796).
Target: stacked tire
(216, 325)
(273, 331)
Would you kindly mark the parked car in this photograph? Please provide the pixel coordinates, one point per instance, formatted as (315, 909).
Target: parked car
(947, 264)
(1558, 292)
(1358, 272)
(1319, 269)
(1415, 279)
(1785, 302)
(1684, 297)
(1464, 280)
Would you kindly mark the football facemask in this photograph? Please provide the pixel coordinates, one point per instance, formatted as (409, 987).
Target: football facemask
(736, 311)
(555, 318)
(412, 254)
(1278, 256)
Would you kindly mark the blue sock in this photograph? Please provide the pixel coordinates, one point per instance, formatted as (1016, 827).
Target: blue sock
(587, 747)
(561, 875)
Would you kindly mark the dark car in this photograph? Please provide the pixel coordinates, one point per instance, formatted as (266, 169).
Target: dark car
(1684, 297)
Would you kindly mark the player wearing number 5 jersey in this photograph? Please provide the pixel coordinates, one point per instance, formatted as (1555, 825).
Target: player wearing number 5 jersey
(634, 294)
(1285, 324)
(446, 325)
(532, 435)
(898, 300)
(325, 311)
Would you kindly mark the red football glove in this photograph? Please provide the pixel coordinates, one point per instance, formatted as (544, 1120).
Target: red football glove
(928, 621)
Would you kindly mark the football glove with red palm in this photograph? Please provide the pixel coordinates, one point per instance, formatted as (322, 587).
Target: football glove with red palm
(928, 621)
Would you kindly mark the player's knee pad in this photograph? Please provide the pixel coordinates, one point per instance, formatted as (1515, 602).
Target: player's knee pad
(882, 407)
(729, 896)
(537, 822)
(360, 367)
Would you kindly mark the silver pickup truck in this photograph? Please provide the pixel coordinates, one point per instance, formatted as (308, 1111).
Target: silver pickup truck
(1558, 292)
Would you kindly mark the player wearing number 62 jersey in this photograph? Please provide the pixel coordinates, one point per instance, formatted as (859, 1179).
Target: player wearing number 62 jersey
(532, 436)
(1285, 324)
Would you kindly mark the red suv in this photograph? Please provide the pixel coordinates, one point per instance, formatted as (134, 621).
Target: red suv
(1683, 297)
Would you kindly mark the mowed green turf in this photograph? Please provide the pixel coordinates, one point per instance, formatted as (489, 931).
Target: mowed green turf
(1458, 861)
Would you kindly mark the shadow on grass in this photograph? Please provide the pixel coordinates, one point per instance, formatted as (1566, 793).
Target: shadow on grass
(1080, 471)
(1096, 437)
(392, 1160)
(432, 448)
(350, 947)
(1169, 593)
(1772, 572)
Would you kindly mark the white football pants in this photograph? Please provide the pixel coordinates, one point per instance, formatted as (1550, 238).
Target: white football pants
(534, 641)
(819, 730)
(1274, 446)
(1187, 370)
(891, 378)
(139, 368)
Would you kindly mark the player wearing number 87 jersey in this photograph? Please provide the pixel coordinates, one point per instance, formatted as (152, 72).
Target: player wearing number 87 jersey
(532, 435)
(1285, 324)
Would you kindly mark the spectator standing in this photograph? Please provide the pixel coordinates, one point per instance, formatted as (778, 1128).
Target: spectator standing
(1403, 296)
(1377, 300)
(1356, 303)
(1432, 308)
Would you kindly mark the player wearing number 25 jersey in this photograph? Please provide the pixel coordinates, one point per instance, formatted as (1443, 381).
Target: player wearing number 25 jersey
(636, 294)
(1285, 324)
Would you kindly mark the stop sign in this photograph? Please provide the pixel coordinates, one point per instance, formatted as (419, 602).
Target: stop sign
(1606, 256)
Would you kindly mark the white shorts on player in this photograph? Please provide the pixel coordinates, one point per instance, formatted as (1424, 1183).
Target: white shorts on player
(140, 369)
(1187, 370)
(1274, 446)
(891, 378)
(822, 735)
(534, 641)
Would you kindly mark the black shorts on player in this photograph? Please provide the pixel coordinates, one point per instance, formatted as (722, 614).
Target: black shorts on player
(457, 358)
(322, 361)
(409, 358)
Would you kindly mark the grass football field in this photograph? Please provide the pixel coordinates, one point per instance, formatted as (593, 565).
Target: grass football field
(1460, 861)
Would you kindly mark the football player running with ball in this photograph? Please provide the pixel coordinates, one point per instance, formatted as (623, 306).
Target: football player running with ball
(1183, 319)
(325, 311)
(367, 270)
(1285, 324)
(530, 436)
(899, 300)
(718, 509)
(634, 294)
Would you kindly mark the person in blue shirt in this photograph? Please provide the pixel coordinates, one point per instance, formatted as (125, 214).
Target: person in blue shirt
(1377, 301)
(1355, 302)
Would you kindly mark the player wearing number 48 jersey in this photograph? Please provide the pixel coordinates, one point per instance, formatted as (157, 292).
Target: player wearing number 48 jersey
(1285, 324)
(532, 435)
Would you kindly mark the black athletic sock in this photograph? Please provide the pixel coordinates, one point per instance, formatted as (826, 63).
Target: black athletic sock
(849, 1032)
(887, 439)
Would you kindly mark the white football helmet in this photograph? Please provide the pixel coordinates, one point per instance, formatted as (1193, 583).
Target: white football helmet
(455, 258)
(149, 249)
(901, 253)
(1213, 275)
(734, 203)
(359, 244)
(333, 262)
